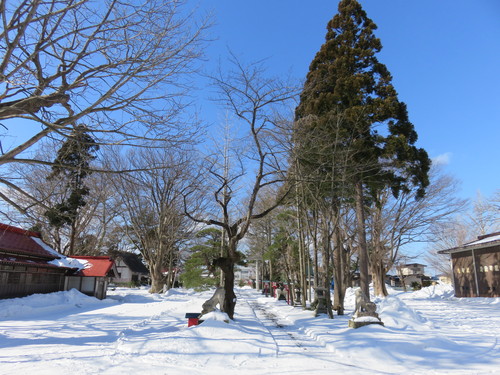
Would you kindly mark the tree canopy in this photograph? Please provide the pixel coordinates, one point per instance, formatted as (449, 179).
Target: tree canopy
(348, 104)
(350, 125)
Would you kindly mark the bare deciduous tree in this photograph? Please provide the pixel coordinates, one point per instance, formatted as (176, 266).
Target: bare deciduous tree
(36, 194)
(119, 67)
(483, 218)
(395, 222)
(253, 99)
(152, 208)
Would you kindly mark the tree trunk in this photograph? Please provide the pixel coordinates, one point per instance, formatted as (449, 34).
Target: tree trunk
(171, 275)
(378, 275)
(226, 264)
(339, 274)
(156, 278)
(302, 255)
(361, 235)
(316, 266)
(327, 277)
(402, 278)
(72, 238)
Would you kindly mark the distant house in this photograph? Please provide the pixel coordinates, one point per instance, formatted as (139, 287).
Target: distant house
(476, 267)
(94, 278)
(412, 269)
(27, 264)
(244, 275)
(130, 268)
(411, 273)
(393, 280)
(445, 279)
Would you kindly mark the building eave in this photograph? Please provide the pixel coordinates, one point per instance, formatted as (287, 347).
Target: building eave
(470, 247)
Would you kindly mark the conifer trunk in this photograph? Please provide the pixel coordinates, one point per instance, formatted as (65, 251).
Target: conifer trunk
(327, 276)
(339, 274)
(361, 236)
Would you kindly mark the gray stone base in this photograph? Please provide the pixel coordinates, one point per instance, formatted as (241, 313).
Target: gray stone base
(355, 324)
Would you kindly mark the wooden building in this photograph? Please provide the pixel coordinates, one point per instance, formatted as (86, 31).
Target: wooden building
(25, 264)
(94, 278)
(476, 267)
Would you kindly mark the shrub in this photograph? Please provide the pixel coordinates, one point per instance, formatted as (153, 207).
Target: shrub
(416, 285)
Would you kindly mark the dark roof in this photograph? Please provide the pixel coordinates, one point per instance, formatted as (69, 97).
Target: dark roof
(484, 236)
(99, 266)
(482, 242)
(413, 265)
(20, 242)
(133, 261)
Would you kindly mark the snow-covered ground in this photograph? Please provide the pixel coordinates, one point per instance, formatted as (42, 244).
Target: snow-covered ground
(133, 332)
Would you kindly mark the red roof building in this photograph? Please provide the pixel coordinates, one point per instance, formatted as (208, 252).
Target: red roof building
(24, 264)
(25, 267)
(100, 266)
(93, 279)
(21, 244)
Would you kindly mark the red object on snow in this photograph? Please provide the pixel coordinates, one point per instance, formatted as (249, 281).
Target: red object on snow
(193, 319)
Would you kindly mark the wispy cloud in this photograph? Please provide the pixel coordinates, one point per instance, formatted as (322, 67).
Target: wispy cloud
(443, 159)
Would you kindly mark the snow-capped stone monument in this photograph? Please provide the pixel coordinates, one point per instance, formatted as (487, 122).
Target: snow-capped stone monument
(364, 312)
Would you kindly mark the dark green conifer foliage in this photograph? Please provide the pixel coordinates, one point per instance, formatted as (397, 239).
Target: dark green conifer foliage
(199, 270)
(349, 104)
(350, 123)
(72, 166)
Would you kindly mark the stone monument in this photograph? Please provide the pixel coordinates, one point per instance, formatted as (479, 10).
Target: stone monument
(322, 302)
(297, 298)
(281, 293)
(364, 312)
(217, 299)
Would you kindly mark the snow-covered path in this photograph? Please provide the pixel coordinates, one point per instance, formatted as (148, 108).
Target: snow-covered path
(291, 342)
(297, 342)
(135, 332)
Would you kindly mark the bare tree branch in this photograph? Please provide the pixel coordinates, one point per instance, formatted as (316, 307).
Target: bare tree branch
(120, 67)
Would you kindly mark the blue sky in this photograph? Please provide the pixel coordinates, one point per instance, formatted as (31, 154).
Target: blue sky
(444, 57)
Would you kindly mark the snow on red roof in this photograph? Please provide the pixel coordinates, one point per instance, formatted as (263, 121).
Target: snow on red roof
(20, 242)
(15, 261)
(99, 265)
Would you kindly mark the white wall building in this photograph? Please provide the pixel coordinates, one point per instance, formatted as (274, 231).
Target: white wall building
(413, 269)
(245, 274)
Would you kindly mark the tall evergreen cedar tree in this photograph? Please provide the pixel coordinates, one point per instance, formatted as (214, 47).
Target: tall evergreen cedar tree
(72, 166)
(350, 123)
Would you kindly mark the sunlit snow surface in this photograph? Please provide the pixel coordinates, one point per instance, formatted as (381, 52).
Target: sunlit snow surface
(134, 332)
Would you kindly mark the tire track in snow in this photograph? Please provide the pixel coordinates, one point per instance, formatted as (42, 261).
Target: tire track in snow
(293, 343)
(286, 342)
